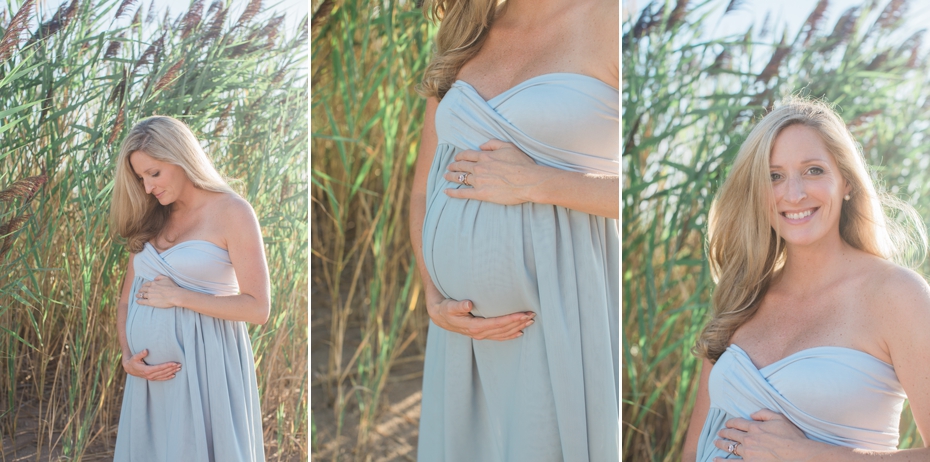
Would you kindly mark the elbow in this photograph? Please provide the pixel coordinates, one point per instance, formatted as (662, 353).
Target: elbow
(263, 313)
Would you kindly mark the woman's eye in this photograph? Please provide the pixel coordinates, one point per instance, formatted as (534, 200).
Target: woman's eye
(816, 170)
(776, 176)
(155, 174)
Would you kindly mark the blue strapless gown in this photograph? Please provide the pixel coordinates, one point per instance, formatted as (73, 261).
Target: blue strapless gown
(552, 394)
(834, 395)
(210, 410)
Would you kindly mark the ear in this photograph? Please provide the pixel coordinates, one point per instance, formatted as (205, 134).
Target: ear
(848, 188)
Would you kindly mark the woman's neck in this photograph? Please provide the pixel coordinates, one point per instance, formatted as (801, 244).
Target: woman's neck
(813, 266)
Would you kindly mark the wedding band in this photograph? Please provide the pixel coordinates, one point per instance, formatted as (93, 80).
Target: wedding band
(731, 448)
(465, 179)
(735, 448)
(145, 296)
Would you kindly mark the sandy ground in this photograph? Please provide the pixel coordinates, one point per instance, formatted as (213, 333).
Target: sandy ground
(394, 437)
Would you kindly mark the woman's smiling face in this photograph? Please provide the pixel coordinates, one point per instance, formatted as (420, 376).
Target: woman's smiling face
(807, 185)
(163, 180)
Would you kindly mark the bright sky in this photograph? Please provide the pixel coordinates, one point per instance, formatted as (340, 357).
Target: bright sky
(790, 12)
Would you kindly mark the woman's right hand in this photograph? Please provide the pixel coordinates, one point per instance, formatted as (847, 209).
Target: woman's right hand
(137, 367)
(455, 316)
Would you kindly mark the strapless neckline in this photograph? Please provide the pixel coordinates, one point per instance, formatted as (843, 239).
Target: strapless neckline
(812, 351)
(184, 243)
(533, 80)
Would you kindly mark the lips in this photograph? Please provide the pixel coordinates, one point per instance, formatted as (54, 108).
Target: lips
(799, 215)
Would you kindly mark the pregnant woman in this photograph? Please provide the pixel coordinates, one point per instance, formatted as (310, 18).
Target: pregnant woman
(513, 220)
(817, 337)
(196, 275)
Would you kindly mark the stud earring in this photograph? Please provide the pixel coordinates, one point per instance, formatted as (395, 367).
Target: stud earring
(846, 197)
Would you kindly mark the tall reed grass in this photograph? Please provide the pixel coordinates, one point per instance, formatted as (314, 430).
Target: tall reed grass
(70, 89)
(688, 102)
(365, 60)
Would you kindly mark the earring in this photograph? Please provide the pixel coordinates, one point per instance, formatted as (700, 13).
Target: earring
(846, 197)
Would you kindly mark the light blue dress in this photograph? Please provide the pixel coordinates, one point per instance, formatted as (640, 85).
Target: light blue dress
(834, 395)
(210, 410)
(552, 394)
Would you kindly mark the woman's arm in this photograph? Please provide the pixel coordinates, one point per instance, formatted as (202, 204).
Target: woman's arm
(503, 174)
(698, 415)
(449, 314)
(247, 254)
(134, 364)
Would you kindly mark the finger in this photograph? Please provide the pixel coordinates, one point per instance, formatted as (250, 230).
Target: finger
(138, 356)
(732, 434)
(461, 167)
(468, 156)
(492, 145)
(462, 193)
(481, 328)
(159, 277)
(723, 444)
(511, 333)
(739, 424)
(456, 177)
(165, 375)
(765, 414)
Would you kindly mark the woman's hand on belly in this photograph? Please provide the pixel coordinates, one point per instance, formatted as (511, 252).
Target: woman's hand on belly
(768, 437)
(455, 316)
(159, 293)
(137, 367)
(500, 173)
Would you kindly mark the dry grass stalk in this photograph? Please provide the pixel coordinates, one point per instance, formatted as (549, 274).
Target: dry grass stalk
(912, 44)
(18, 24)
(678, 13)
(214, 7)
(169, 76)
(251, 10)
(119, 89)
(771, 69)
(123, 7)
(216, 25)
(734, 5)
(815, 19)
(843, 30)
(323, 11)
(117, 125)
(137, 18)
(24, 189)
(61, 20)
(892, 14)
(150, 16)
(192, 18)
(113, 47)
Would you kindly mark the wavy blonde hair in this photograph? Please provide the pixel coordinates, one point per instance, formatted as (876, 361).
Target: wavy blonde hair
(743, 247)
(463, 27)
(136, 216)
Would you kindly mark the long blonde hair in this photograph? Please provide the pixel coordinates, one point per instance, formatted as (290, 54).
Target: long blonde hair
(744, 249)
(463, 27)
(137, 216)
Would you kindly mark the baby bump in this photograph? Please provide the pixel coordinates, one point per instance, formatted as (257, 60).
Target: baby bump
(154, 329)
(479, 252)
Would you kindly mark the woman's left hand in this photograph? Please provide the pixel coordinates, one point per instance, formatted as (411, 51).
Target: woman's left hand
(500, 173)
(159, 293)
(769, 436)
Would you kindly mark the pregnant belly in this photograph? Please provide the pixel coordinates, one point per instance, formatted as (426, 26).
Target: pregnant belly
(154, 329)
(482, 252)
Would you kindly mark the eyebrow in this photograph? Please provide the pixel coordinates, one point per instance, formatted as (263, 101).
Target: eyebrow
(805, 161)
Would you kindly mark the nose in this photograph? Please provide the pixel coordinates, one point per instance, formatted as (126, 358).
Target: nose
(148, 186)
(795, 189)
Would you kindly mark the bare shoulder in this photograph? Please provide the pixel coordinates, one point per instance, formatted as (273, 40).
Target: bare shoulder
(899, 297)
(234, 219)
(602, 21)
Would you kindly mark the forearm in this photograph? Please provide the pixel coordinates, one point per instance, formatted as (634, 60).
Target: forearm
(585, 192)
(121, 315)
(242, 307)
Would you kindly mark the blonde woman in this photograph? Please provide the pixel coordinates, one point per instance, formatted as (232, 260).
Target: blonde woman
(196, 275)
(513, 220)
(817, 336)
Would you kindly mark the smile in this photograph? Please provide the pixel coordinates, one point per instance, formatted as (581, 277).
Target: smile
(799, 215)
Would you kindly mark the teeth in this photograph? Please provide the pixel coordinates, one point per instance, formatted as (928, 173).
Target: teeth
(798, 216)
